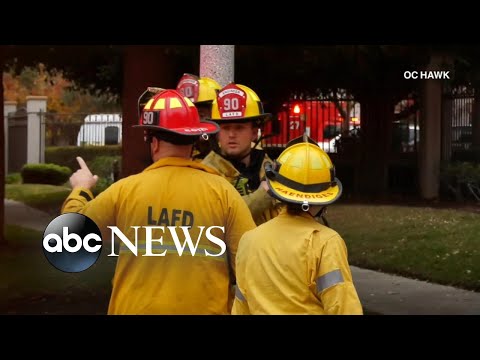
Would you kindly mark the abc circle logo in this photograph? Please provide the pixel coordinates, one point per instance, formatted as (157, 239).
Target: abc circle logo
(72, 242)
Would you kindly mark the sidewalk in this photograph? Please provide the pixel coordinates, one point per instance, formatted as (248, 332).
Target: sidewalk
(17, 213)
(379, 293)
(394, 295)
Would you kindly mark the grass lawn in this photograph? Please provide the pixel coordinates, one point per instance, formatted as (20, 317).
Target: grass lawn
(437, 245)
(48, 198)
(44, 197)
(33, 286)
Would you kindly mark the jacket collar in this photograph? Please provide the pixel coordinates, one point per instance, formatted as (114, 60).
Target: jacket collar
(182, 162)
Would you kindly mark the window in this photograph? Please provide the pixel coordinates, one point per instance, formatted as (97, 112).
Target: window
(111, 135)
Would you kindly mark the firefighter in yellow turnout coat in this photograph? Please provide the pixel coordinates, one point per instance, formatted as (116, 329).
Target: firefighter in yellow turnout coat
(239, 112)
(163, 196)
(292, 264)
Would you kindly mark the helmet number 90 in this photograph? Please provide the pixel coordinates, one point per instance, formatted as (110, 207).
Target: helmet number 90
(231, 104)
(148, 117)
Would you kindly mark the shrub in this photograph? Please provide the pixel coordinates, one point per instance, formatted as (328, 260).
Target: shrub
(52, 174)
(102, 185)
(462, 179)
(66, 155)
(104, 166)
(13, 178)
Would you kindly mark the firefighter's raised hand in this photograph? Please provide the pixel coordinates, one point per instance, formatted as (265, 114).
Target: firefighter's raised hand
(83, 177)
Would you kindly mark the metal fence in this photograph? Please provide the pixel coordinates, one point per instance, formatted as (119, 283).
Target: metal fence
(330, 118)
(49, 129)
(406, 125)
(457, 119)
(325, 117)
(82, 129)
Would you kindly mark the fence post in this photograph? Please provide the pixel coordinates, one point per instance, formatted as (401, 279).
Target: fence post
(36, 109)
(8, 107)
(446, 126)
(116, 171)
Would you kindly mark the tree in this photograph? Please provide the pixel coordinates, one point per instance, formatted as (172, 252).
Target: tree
(67, 103)
(64, 95)
(3, 240)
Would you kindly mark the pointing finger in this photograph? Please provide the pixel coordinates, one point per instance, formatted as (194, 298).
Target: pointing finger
(82, 163)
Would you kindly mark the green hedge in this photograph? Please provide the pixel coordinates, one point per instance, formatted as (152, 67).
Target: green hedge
(470, 155)
(45, 174)
(66, 155)
(13, 178)
(103, 166)
(460, 179)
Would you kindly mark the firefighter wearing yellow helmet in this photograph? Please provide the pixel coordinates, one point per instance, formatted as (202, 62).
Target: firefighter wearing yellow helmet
(185, 236)
(292, 264)
(202, 91)
(239, 112)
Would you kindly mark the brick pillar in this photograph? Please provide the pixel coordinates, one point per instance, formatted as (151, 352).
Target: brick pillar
(36, 109)
(8, 107)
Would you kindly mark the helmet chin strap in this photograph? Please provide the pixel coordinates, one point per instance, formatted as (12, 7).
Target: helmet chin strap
(149, 159)
(148, 138)
(321, 214)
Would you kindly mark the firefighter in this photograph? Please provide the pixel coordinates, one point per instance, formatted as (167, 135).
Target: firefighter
(163, 196)
(292, 264)
(239, 112)
(202, 91)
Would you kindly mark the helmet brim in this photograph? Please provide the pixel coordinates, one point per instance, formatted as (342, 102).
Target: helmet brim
(203, 102)
(290, 195)
(207, 127)
(254, 119)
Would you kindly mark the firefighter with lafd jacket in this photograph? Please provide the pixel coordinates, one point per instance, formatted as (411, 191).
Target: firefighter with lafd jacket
(292, 264)
(202, 91)
(239, 112)
(163, 199)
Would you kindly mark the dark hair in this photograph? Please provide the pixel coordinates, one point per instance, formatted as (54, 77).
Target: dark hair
(206, 105)
(172, 138)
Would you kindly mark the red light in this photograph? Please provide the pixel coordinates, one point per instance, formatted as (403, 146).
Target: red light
(296, 109)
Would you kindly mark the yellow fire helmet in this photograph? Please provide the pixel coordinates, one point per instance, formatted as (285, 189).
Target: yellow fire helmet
(238, 104)
(303, 174)
(198, 89)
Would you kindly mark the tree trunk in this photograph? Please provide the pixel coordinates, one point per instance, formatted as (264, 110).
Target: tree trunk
(376, 124)
(476, 123)
(143, 66)
(3, 240)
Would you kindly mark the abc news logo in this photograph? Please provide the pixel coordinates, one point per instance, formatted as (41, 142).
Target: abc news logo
(72, 242)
